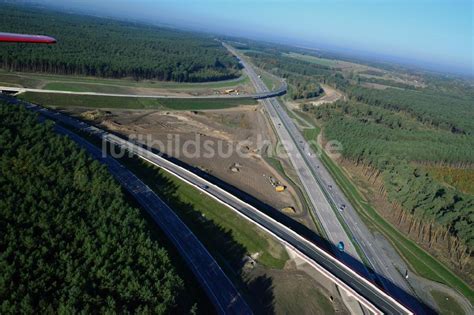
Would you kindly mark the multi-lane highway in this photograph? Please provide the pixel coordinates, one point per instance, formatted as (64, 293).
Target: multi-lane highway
(292, 141)
(351, 282)
(326, 198)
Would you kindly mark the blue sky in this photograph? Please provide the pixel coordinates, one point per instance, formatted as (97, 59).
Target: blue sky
(430, 32)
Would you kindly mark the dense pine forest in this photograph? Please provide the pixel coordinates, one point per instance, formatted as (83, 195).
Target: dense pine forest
(69, 241)
(415, 143)
(449, 111)
(396, 133)
(107, 48)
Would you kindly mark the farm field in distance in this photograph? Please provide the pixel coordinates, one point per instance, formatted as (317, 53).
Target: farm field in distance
(333, 63)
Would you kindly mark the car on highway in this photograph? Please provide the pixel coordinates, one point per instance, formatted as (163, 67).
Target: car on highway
(342, 207)
(340, 246)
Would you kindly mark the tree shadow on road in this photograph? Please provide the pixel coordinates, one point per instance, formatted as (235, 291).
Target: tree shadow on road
(230, 253)
(220, 242)
(407, 298)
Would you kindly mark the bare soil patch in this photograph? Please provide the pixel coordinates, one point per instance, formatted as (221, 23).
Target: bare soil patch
(330, 95)
(296, 289)
(180, 134)
(291, 291)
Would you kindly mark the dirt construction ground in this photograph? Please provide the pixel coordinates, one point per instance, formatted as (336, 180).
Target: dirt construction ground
(292, 290)
(241, 134)
(330, 95)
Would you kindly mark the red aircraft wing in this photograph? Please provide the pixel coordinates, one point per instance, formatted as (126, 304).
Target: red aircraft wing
(24, 38)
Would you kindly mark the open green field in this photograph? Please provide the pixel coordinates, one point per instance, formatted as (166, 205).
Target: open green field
(71, 83)
(88, 87)
(460, 178)
(196, 209)
(332, 63)
(8, 79)
(91, 101)
(313, 59)
(418, 259)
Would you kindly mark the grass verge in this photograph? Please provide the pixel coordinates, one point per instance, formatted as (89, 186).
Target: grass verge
(447, 305)
(270, 81)
(88, 87)
(310, 134)
(92, 101)
(224, 233)
(254, 240)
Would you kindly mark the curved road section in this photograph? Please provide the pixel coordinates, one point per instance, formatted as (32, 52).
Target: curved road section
(368, 294)
(316, 181)
(218, 287)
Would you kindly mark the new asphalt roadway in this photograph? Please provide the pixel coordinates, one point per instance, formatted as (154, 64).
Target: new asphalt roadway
(363, 290)
(326, 199)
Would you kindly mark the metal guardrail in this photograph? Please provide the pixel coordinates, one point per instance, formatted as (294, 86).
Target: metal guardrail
(351, 286)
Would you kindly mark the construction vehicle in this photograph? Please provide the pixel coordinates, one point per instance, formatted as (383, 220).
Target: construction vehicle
(280, 188)
(289, 210)
(229, 91)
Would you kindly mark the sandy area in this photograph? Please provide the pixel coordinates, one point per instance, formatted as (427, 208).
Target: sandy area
(330, 95)
(298, 288)
(190, 136)
(193, 91)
